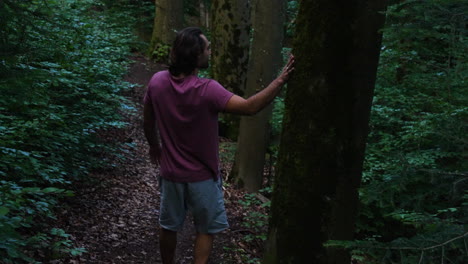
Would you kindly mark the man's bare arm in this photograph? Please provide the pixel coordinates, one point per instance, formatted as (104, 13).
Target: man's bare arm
(258, 101)
(151, 133)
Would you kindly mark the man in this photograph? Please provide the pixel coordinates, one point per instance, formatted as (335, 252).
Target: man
(182, 109)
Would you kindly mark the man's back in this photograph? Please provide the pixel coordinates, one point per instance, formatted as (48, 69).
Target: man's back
(186, 110)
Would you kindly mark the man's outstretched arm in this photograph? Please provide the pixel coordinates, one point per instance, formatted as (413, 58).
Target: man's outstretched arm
(258, 101)
(151, 132)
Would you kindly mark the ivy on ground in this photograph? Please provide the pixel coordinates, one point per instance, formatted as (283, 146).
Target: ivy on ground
(61, 66)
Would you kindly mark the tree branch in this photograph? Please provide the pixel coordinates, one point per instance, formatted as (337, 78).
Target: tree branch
(420, 248)
(463, 174)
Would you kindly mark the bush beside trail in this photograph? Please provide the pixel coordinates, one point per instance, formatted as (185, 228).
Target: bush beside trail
(61, 66)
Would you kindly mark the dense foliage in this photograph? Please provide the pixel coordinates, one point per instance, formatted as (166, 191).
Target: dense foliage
(414, 193)
(61, 66)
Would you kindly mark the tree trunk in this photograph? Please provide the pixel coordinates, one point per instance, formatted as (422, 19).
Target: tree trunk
(204, 14)
(230, 26)
(324, 130)
(265, 61)
(168, 20)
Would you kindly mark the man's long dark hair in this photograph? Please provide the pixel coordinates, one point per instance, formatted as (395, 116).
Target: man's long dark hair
(185, 51)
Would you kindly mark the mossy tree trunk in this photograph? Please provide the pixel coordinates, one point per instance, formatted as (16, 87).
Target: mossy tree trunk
(168, 19)
(264, 63)
(230, 28)
(325, 127)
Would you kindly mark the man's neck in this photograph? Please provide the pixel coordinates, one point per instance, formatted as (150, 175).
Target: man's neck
(182, 75)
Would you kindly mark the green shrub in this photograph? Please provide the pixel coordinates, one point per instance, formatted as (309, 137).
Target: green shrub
(61, 66)
(415, 167)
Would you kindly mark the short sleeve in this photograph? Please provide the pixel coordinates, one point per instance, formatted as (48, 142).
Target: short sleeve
(147, 96)
(217, 95)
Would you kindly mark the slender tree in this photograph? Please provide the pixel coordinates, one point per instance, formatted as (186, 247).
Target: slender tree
(322, 145)
(264, 63)
(168, 20)
(230, 28)
(204, 13)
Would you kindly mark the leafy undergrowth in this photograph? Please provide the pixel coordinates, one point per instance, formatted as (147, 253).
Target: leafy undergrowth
(248, 214)
(61, 72)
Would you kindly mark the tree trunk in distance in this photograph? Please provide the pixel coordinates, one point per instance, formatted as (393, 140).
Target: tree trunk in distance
(230, 28)
(264, 63)
(168, 19)
(204, 14)
(325, 126)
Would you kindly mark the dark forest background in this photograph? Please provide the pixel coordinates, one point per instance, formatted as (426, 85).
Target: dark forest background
(62, 64)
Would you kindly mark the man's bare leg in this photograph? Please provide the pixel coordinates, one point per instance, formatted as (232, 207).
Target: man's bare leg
(167, 245)
(203, 245)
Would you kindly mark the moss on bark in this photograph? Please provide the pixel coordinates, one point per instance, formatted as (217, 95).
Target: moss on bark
(230, 42)
(168, 20)
(325, 125)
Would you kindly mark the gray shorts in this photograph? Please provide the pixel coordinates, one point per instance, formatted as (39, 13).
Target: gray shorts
(203, 199)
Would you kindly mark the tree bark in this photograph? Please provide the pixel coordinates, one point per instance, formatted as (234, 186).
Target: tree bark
(325, 127)
(168, 20)
(204, 14)
(230, 28)
(264, 63)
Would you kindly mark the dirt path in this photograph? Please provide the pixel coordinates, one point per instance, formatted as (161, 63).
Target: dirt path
(115, 217)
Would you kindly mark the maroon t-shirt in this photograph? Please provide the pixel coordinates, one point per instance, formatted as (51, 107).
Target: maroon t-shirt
(186, 112)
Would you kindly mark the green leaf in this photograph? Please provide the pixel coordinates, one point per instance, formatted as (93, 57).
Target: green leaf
(52, 190)
(31, 190)
(4, 211)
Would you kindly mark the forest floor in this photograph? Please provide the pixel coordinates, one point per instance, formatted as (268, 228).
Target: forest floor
(114, 215)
